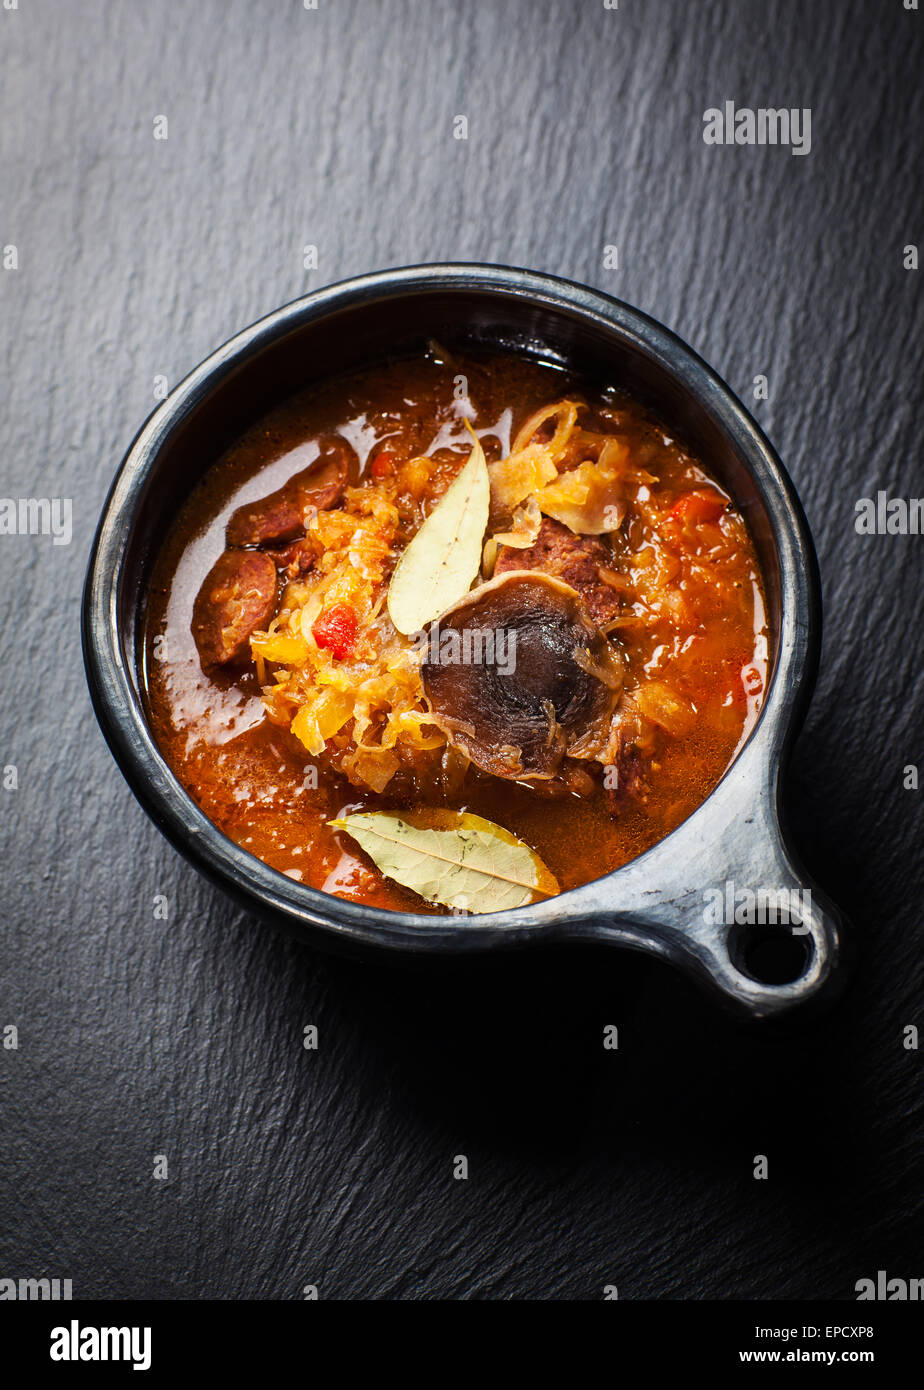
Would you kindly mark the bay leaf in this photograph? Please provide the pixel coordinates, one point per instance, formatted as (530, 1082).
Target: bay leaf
(452, 857)
(444, 557)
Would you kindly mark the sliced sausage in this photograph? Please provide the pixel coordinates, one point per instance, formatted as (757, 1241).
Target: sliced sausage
(282, 515)
(237, 598)
(571, 558)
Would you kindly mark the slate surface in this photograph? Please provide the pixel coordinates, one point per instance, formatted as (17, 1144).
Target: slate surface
(138, 1037)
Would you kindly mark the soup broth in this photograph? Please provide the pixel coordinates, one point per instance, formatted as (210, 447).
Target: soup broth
(256, 643)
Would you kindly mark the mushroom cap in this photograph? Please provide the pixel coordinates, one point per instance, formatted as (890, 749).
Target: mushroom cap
(517, 675)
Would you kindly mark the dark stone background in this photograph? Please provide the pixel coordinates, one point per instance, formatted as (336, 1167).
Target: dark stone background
(139, 1037)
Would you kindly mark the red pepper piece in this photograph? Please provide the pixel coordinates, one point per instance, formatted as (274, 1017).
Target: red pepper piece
(697, 507)
(335, 629)
(383, 464)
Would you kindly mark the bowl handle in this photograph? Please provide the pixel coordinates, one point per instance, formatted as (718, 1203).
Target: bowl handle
(717, 890)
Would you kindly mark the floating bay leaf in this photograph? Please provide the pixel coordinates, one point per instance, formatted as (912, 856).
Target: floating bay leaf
(453, 858)
(442, 560)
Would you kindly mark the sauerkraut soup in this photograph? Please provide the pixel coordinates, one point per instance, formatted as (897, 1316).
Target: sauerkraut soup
(454, 634)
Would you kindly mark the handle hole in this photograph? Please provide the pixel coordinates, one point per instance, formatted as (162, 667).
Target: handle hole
(770, 956)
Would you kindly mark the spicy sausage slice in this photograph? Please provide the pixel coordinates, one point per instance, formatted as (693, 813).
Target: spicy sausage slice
(282, 516)
(237, 598)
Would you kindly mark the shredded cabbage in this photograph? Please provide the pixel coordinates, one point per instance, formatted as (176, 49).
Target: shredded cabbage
(365, 712)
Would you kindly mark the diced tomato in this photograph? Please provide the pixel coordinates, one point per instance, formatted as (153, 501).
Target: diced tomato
(697, 507)
(336, 630)
(383, 464)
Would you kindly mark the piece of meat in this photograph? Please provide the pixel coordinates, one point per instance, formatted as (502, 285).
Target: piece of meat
(628, 779)
(573, 559)
(283, 515)
(574, 779)
(237, 598)
(294, 559)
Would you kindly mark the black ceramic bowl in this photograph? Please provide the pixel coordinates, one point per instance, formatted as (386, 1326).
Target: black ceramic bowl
(657, 902)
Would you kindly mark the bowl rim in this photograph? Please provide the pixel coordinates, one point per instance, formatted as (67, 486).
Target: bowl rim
(268, 891)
